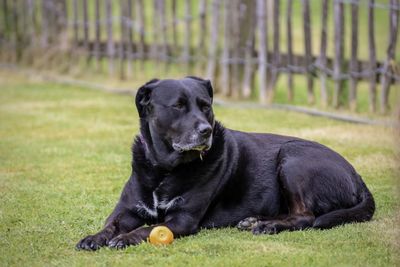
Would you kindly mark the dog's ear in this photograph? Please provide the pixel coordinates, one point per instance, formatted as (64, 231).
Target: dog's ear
(206, 83)
(142, 99)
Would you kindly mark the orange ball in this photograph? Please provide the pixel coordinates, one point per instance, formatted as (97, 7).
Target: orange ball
(161, 235)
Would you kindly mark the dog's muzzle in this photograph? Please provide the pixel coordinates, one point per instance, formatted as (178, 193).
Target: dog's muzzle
(193, 146)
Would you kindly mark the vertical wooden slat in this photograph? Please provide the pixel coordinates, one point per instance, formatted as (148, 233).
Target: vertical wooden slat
(236, 55)
(6, 19)
(202, 25)
(30, 34)
(85, 29)
(225, 68)
(174, 23)
(372, 56)
(24, 25)
(163, 30)
(289, 47)
(35, 19)
(339, 51)
(62, 15)
(262, 51)
(249, 30)
(308, 51)
(76, 21)
(187, 33)
(154, 53)
(353, 60)
(110, 41)
(16, 30)
(276, 48)
(390, 55)
(322, 57)
(140, 11)
(129, 23)
(3, 31)
(97, 35)
(122, 40)
(45, 27)
(213, 46)
(8, 31)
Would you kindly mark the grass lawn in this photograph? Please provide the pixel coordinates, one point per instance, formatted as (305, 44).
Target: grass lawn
(65, 155)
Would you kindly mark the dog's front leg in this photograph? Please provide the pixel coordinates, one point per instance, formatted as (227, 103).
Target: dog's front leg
(180, 226)
(120, 221)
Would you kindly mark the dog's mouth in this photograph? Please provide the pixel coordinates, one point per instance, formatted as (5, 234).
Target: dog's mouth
(183, 148)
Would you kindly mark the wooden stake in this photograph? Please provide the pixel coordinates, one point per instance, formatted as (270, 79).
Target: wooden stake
(308, 51)
(289, 48)
(213, 47)
(262, 51)
(322, 58)
(353, 61)
(372, 56)
(339, 51)
(390, 57)
(110, 41)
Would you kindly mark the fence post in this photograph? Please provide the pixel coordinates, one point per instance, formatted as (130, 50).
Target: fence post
(250, 30)
(154, 48)
(16, 35)
(140, 11)
(187, 34)
(390, 57)
(122, 42)
(128, 23)
(339, 51)
(276, 58)
(45, 26)
(322, 58)
(353, 61)
(110, 41)
(308, 50)
(163, 28)
(262, 52)
(213, 47)
(86, 31)
(6, 23)
(289, 48)
(31, 24)
(203, 28)
(372, 56)
(235, 25)
(174, 22)
(97, 35)
(225, 70)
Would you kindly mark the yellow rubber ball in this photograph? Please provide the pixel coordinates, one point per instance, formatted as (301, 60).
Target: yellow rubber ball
(161, 235)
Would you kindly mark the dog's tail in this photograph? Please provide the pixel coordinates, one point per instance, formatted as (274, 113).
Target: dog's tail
(361, 212)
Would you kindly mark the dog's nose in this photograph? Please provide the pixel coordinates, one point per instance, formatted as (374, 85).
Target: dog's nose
(205, 130)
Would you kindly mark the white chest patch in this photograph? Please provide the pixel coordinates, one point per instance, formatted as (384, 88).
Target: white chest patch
(164, 204)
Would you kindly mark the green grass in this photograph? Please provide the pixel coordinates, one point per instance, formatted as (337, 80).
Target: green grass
(65, 155)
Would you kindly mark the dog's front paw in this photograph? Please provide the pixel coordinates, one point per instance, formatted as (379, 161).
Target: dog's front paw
(124, 240)
(266, 227)
(247, 224)
(92, 242)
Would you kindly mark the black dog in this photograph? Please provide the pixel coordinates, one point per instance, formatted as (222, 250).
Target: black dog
(189, 172)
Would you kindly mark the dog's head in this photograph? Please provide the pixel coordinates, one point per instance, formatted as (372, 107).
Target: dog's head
(177, 114)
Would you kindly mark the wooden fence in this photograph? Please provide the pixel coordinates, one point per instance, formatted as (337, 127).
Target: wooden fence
(235, 43)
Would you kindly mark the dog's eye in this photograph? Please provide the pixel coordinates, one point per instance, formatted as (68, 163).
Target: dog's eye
(205, 108)
(179, 105)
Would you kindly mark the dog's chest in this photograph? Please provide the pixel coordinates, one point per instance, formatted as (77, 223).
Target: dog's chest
(159, 204)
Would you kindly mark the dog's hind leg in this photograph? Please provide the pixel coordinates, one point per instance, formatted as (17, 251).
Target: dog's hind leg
(299, 216)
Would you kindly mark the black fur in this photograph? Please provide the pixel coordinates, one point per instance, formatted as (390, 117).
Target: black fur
(190, 172)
